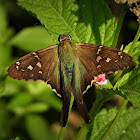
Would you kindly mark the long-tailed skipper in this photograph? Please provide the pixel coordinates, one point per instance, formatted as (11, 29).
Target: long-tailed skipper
(70, 68)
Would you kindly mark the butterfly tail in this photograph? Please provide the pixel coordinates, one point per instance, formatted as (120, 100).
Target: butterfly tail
(65, 109)
(82, 107)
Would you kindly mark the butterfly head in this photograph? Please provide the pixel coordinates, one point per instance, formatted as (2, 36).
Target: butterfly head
(64, 37)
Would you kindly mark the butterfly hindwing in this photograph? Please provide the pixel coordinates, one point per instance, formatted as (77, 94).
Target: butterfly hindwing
(80, 78)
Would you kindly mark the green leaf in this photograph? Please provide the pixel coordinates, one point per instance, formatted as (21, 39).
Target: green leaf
(97, 25)
(17, 138)
(43, 93)
(2, 79)
(5, 53)
(36, 88)
(5, 32)
(13, 87)
(32, 39)
(135, 53)
(3, 18)
(22, 99)
(127, 125)
(4, 118)
(129, 85)
(37, 128)
(52, 100)
(37, 107)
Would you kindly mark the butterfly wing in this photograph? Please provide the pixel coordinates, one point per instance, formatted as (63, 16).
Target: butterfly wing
(97, 59)
(93, 60)
(80, 78)
(44, 65)
(39, 65)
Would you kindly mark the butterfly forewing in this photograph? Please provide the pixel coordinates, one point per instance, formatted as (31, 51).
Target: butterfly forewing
(101, 59)
(39, 65)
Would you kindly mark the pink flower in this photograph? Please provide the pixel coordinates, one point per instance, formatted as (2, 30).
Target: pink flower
(100, 79)
(136, 10)
(130, 2)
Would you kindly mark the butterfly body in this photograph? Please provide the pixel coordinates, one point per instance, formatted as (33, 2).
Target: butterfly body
(67, 55)
(70, 68)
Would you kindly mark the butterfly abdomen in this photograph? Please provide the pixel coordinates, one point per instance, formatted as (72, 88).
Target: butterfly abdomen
(69, 71)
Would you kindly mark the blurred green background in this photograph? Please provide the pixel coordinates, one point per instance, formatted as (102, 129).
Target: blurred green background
(31, 110)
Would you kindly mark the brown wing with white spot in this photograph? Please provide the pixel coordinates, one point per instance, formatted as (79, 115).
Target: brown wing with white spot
(101, 59)
(39, 65)
(97, 59)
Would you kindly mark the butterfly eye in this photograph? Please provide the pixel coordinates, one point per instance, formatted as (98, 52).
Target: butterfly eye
(70, 37)
(63, 37)
(59, 38)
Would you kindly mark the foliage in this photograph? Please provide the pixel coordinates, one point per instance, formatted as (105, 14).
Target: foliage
(25, 106)
(127, 127)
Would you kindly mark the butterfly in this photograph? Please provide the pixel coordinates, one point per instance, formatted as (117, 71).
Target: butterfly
(70, 68)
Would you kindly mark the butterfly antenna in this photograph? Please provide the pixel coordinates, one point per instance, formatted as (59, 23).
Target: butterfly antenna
(51, 31)
(76, 24)
(48, 29)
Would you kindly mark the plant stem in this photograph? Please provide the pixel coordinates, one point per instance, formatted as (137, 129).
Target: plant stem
(115, 120)
(61, 133)
(117, 32)
(62, 130)
(96, 108)
(92, 110)
(135, 40)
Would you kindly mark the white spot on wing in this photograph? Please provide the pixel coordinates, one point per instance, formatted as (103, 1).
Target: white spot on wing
(39, 64)
(108, 59)
(18, 63)
(22, 70)
(35, 55)
(119, 53)
(30, 67)
(98, 66)
(121, 56)
(98, 58)
(17, 67)
(40, 72)
(100, 48)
